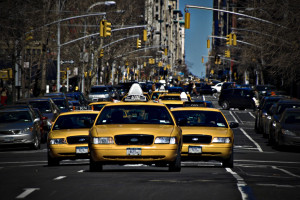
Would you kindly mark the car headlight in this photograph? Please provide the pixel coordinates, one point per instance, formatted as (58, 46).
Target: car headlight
(165, 140)
(58, 141)
(274, 124)
(288, 132)
(269, 117)
(221, 140)
(28, 129)
(102, 140)
(264, 115)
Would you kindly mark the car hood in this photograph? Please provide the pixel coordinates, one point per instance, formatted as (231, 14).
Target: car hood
(123, 129)
(213, 131)
(68, 132)
(15, 126)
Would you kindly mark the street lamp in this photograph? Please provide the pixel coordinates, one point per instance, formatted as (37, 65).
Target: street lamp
(106, 3)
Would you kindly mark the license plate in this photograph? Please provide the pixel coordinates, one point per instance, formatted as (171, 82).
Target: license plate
(134, 151)
(82, 150)
(8, 139)
(195, 149)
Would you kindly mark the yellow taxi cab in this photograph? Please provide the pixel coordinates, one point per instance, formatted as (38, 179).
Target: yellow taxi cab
(68, 137)
(206, 134)
(174, 100)
(135, 131)
(99, 105)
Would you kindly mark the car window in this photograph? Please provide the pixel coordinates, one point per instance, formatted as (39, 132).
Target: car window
(201, 118)
(99, 89)
(292, 118)
(170, 98)
(282, 107)
(43, 106)
(15, 116)
(128, 114)
(74, 121)
(61, 103)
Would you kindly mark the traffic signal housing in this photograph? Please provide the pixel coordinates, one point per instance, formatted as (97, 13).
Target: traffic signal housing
(229, 39)
(234, 39)
(187, 20)
(227, 53)
(101, 31)
(138, 43)
(107, 28)
(145, 35)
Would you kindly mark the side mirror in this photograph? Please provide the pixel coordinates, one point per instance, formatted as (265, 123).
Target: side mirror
(233, 125)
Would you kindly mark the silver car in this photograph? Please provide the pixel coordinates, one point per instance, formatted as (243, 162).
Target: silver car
(19, 126)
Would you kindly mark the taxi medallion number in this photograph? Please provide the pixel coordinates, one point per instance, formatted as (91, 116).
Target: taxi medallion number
(195, 149)
(81, 150)
(134, 151)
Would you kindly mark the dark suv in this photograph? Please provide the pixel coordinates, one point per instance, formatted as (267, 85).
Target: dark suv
(237, 98)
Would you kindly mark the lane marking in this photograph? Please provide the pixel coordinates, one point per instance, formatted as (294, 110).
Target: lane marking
(268, 161)
(80, 171)
(285, 171)
(27, 192)
(276, 185)
(255, 143)
(233, 117)
(250, 113)
(245, 191)
(23, 162)
(59, 178)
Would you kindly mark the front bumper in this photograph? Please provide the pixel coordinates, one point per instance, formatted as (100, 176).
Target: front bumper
(67, 151)
(209, 151)
(149, 154)
(6, 140)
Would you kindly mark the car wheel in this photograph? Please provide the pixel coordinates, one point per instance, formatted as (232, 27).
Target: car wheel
(175, 166)
(95, 166)
(225, 105)
(36, 143)
(228, 163)
(52, 161)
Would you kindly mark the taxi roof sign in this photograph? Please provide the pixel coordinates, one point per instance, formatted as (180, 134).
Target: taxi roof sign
(135, 94)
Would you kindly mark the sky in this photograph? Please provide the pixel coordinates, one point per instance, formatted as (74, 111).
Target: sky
(197, 35)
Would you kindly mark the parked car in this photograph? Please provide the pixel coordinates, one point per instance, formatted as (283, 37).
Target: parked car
(275, 114)
(287, 128)
(100, 93)
(69, 136)
(263, 111)
(237, 98)
(206, 134)
(19, 125)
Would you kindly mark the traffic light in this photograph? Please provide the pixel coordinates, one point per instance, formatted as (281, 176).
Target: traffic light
(138, 43)
(145, 35)
(202, 59)
(208, 43)
(234, 39)
(101, 53)
(229, 39)
(166, 52)
(101, 28)
(187, 20)
(227, 53)
(107, 28)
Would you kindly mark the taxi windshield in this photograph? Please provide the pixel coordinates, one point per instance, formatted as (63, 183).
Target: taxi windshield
(135, 114)
(170, 98)
(75, 121)
(201, 118)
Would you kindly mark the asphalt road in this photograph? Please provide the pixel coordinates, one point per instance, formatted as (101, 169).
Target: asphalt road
(260, 173)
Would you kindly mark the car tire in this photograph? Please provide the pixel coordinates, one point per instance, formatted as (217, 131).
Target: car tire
(95, 166)
(175, 166)
(225, 105)
(52, 161)
(36, 143)
(228, 163)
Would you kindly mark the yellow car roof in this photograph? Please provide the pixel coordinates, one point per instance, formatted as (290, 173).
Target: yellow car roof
(196, 108)
(100, 103)
(80, 112)
(136, 103)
